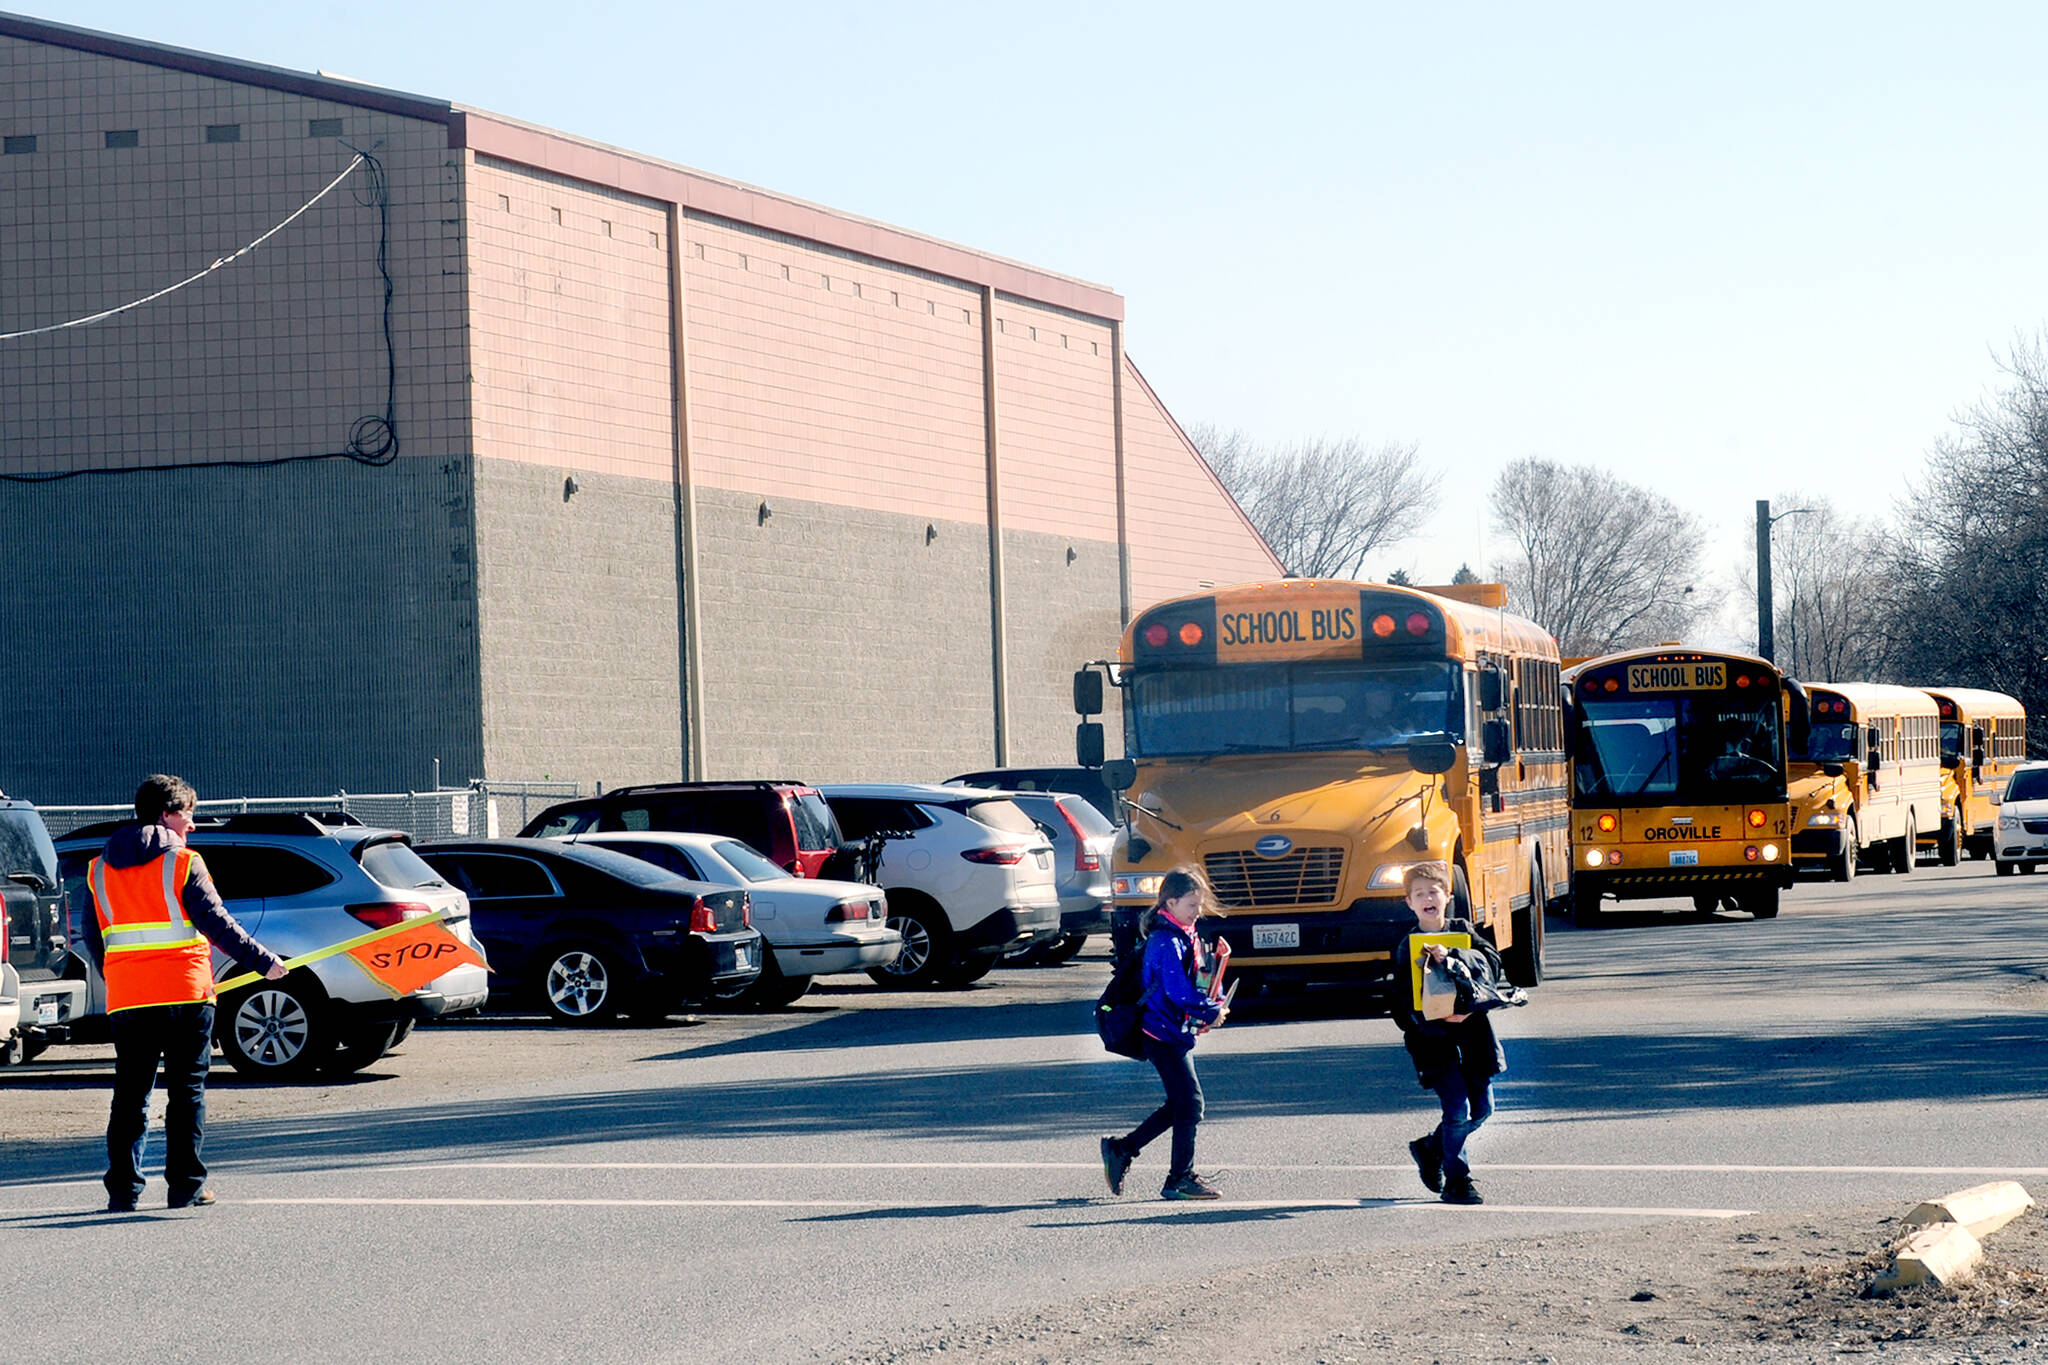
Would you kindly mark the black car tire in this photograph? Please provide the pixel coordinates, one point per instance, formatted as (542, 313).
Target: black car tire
(927, 943)
(361, 1044)
(1062, 949)
(771, 990)
(581, 984)
(403, 1031)
(274, 1030)
(967, 972)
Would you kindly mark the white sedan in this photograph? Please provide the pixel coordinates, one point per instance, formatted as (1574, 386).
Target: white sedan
(813, 927)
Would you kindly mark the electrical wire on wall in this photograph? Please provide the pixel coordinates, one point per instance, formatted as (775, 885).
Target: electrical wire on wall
(372, 440)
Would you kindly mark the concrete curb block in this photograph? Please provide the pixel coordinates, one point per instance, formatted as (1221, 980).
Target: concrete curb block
(1942, 1254)
(1983, 1209)
(1945, 1248)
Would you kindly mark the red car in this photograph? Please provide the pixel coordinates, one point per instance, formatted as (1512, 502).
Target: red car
(788, 821)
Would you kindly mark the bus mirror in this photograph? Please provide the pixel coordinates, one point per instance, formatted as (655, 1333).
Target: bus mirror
(1120, 774)
(1088, 743)
(1873, 741)
(1087, 694)
(1499, 746)
(1832, 769)
(1492, 689)
(1432, 755)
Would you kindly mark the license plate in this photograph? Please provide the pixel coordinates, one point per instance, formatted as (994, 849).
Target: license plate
(1685, 857)
(46, 1011)
(739, 957)
(1044, 858)
(1276, 936)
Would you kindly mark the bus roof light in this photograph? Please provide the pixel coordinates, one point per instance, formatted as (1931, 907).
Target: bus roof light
(1383, 625)
(1612, 685)
(1756, 819)
(1155, 635)
(1742, 680)
(1418, 624)
(1607, 823)
(1190, 633)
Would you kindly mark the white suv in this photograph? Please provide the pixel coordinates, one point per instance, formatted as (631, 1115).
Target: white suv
(2022, 838)
(969, 876)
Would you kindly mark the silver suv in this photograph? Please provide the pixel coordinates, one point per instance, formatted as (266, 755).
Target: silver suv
(300, 882)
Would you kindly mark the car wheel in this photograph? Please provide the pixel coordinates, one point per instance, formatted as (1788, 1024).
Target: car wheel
(1062, 949)
(274, 1029)
(970, 971)
(771, 990)
(2026, 869)
(11, 1050)
(581, 984)
(361, 1045)
(927, 943)
(404, 1031)
(1843, 868)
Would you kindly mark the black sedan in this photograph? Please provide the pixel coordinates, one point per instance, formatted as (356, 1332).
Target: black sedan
(592, 933)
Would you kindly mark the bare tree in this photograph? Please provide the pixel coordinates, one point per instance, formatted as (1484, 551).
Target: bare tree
(1599, 562)
(1969, 579)
(1831, 599)
(1324, 505)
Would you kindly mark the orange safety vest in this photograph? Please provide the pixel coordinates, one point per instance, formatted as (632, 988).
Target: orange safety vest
(154, 954)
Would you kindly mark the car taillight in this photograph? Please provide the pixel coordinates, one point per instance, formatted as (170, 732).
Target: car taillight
(849, 910)
(1084, 860)
(703, 917)
(746, 909)
(384, 914)
(1007, 855)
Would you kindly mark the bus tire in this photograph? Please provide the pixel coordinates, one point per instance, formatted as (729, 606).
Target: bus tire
(1949, 846)
(1705, 905)
(1524, 957)
(1908, 855)
(1585, 900)
(1461, 893)
(1842, 867)
(1761, 903)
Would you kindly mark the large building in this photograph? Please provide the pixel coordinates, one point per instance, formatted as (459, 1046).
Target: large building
(511, 455)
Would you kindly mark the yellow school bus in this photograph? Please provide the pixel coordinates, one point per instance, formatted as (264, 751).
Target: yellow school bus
(1983, 738)
(1678, 779)
(1865, 779)
(1304, 742)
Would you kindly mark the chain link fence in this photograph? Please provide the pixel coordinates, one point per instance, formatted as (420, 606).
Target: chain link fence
(482, 810)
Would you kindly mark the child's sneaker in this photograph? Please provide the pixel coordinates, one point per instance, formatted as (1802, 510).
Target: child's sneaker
(1461, 1191)
(1190, 1186)
(1428, 1164)
(1114, 1164)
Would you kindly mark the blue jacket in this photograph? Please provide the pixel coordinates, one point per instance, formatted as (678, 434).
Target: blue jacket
(1173, 1007)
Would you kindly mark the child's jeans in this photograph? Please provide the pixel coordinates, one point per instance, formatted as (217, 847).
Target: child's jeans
(1465, 1108)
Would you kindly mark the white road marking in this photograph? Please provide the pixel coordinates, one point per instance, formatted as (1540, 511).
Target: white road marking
(1730, 1168)
(1393, 1207)
(589, 1203)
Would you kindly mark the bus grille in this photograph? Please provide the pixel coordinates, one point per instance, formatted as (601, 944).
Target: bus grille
(1307, 876)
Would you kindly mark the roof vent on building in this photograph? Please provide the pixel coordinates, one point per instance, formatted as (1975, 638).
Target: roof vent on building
(323, 127)
(20, 145)
(223, 132)
(123, 137)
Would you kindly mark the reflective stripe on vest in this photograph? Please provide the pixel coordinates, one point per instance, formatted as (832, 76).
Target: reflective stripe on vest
(154, 955)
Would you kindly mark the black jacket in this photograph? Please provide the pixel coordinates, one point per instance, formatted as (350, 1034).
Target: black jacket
(1435, 1045)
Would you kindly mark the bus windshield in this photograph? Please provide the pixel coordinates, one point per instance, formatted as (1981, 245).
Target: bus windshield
(1830, 742)
(1290, 707)
(1677, 748)
(1951, 741)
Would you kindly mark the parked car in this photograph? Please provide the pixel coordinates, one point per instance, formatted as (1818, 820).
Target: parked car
(2020, 842)
(788, 821)
(301, 881)
(813, 927)
(41, 992)
(1085, 783)
(589, 934)
(969, 877)
(1081, 839)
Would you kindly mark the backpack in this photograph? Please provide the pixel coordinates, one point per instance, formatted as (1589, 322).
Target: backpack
(1120, 1009)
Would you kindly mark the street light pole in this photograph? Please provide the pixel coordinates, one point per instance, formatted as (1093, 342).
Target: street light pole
(1766, 646)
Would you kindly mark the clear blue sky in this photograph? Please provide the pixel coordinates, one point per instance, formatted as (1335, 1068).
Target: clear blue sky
(1728, 251)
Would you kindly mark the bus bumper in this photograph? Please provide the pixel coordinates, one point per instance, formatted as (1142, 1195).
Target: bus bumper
(1658, 883)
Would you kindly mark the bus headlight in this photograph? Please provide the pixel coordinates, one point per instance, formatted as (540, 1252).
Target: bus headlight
(1823, 820)
(1596, 857)
(1389, 874)
(1134, 884)
(1770, 853)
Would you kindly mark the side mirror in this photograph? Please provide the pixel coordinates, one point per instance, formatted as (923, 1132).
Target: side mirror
(1492, 689)
(1432, 755)
(1498, 744)
(1832, 769)
(1087, 694)
(32, 880)
(1088, 743)
(1120, 774)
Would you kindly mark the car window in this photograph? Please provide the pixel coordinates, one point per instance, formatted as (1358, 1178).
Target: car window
(25, 845)
(250, 871)
(1001, 813)
(815, 827)
(392, 863)
(748, 862)
(2029, 784)
(1093, 823)
(494, 875)
(861, 816)
(668, 857)
(573, 820)
(618, 865)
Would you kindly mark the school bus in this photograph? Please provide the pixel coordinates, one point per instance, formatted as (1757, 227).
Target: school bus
(1678, 779)
(1865, 778)
(1983, 738)
(1304, 742)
